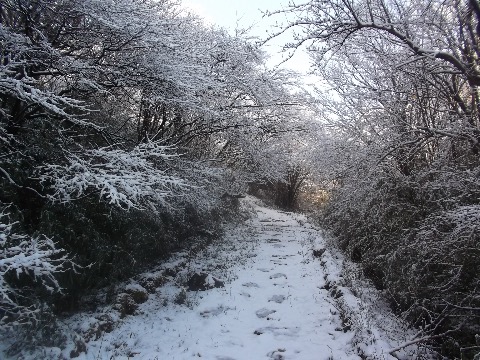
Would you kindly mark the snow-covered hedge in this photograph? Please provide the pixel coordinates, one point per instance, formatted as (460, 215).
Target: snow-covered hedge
(420, 244)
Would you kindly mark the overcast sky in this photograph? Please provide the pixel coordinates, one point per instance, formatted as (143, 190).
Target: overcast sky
(232, 14)
(228, 13)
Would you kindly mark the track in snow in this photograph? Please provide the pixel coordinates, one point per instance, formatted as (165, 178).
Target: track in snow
(273, 309)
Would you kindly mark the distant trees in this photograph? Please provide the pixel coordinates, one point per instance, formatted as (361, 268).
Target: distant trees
(288, 190)
(401, 101)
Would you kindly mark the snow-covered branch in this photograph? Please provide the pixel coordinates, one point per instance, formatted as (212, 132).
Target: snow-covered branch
(21, 257)
(128, 179)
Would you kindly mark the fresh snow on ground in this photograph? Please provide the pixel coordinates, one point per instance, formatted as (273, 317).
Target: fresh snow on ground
(278, 302)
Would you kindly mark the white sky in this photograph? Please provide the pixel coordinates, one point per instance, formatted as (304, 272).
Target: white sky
(241, 14)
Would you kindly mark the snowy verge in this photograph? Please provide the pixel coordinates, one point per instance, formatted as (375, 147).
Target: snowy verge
(365, 310)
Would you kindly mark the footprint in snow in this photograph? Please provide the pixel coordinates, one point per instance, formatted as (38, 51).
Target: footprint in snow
(278, 331)
(277, 354)
(263, 313)
(277, 298)
(251, 284)
(215, 311)
(278, 275)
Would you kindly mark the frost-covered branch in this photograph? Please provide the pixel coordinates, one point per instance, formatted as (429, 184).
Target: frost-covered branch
(128, 179)
(424, 339)
(21, 257)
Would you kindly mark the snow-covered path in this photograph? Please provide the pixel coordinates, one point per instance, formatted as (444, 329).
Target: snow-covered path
(277, 302)
(273, 309)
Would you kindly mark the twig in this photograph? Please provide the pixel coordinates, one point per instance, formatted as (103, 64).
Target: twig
(420, 340)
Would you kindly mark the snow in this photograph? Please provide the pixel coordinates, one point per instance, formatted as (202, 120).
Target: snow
(274, 304)
(134, 287)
